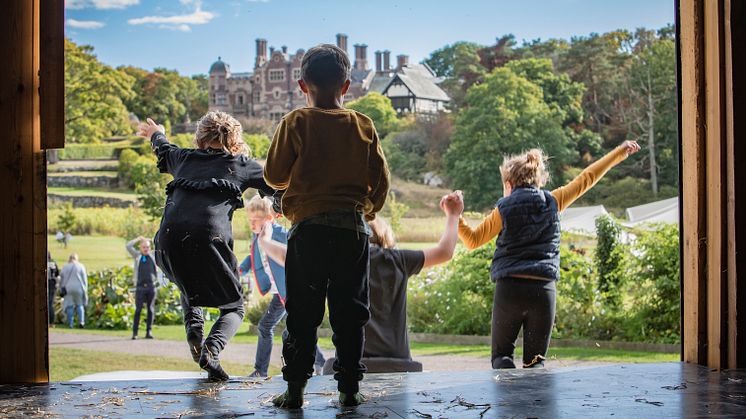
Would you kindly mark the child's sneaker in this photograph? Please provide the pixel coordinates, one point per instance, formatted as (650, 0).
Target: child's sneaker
(292, 398)
(348, 400)
(257, 374)
(211, 364)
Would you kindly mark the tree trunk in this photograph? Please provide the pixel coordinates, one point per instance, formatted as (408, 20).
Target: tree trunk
(651, 137)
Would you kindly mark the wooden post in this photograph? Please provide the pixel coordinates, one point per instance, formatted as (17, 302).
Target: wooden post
(52, 73)
(23, 289)
(694, 226)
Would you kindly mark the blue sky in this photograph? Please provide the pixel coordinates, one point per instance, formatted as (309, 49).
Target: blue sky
(188, 35)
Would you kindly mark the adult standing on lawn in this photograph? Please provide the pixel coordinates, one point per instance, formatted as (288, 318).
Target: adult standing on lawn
(145, 278)
(74, 289)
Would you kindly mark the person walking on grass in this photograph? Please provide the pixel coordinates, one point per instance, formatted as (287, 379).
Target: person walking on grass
(53, 275)
(526, 263)
(74, 290)
(145, 277)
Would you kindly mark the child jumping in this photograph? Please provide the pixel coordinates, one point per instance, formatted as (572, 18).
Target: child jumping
(330, 162)
(269, 276)
(526, 263)
(194, 244)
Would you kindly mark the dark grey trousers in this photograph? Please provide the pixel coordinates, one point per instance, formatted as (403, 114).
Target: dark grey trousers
(222, 331)
(527, 303)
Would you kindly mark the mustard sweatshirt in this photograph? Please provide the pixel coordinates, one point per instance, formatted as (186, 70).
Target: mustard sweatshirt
(327, 160)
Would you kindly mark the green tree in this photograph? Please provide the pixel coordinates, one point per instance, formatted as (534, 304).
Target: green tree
(258, 144)
(378, 108)
(507, 114)
(94, 96)
(461, 66)
(166, 96)
(651, 114)
(608, 257)
(67, 221)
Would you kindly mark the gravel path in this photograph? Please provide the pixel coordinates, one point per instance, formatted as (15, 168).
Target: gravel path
(244, 352)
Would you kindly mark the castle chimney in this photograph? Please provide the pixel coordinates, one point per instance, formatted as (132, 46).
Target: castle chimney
(386, 60)
(271, 51)
(342, 42)
(284, 49)
(361, 52)
(379, 62)
(261, 52)
(402, 61)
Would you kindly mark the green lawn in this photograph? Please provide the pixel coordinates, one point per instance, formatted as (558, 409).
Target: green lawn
(176, 332)
(124, 194)
(67, 363)
(95, 252)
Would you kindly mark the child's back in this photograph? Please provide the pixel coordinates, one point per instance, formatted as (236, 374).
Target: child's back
(330, 163)
(334, 159)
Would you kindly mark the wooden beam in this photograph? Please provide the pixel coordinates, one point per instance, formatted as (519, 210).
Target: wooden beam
(23, 354)
(735, 68)
(52, 73)
(715, 175)
(694, 291)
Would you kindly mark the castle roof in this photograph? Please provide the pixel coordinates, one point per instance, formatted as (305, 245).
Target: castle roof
(421, 82)
(219, 66)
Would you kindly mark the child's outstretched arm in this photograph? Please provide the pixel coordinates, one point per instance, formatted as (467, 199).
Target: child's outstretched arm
(168, 154)
(378, 174)
(488, 229)
(274, 250)
(453, 205)
(566, 195)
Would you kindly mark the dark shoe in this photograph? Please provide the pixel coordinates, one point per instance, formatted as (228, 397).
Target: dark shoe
(81, 326)
(349, 400)
(257, 374)
(148, 336)
(502, 362)
(292, 398)
(134, 337)
(210, 363)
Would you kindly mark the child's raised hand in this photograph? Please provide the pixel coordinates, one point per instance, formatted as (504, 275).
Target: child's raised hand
(631, 147)
(266, 233)
(147, 129)
(453, 203)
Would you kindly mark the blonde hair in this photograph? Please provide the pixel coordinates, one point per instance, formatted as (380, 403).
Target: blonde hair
(527, 169)
(73, 258)
(383, 235)
(259, 204)
(220, 126)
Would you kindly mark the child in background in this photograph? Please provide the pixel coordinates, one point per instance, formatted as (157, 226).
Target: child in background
(330, 162)
(525, 266)
(269, 276)
(194, 244)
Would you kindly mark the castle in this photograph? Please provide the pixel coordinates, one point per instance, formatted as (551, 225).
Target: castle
(271, 90)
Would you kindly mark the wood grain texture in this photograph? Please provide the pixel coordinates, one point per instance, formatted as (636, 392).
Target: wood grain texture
(23, 354)
(52, 73)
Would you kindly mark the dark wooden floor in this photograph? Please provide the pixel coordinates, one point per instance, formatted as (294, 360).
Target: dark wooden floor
(632, 390)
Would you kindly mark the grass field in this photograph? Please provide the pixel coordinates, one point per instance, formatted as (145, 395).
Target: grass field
(176, 332)
(68, 363)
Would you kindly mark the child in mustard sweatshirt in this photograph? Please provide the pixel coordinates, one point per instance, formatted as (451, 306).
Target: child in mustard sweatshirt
(329, 161)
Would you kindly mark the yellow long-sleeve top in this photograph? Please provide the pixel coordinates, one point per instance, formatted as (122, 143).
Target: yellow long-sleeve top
(564, 195)
(327, 160)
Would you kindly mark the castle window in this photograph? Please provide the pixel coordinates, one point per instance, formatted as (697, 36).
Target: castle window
(221, 100)
(296, 73)
(277, 94)
(276, 75)
(240, 99)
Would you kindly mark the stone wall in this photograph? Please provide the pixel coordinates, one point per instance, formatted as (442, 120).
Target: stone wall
(83, 181)
(90, 201)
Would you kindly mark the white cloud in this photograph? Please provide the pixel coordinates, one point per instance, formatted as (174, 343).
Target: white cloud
(177, 22)
(84, 24)
(100, 4)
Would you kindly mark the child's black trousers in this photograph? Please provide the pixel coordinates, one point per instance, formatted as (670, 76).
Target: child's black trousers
(324, 261)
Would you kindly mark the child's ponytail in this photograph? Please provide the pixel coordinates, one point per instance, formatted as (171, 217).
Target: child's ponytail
(527, 169)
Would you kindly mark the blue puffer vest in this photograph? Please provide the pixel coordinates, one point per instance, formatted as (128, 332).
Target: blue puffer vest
(530, 238)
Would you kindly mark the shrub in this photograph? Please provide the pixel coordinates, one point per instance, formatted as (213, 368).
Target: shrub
(111, 302)
(455, 298)
(258, 144)
(608, 257)
(394, 210)
(405, 153)
(126, 160)
(92, 151)
(122, 222)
